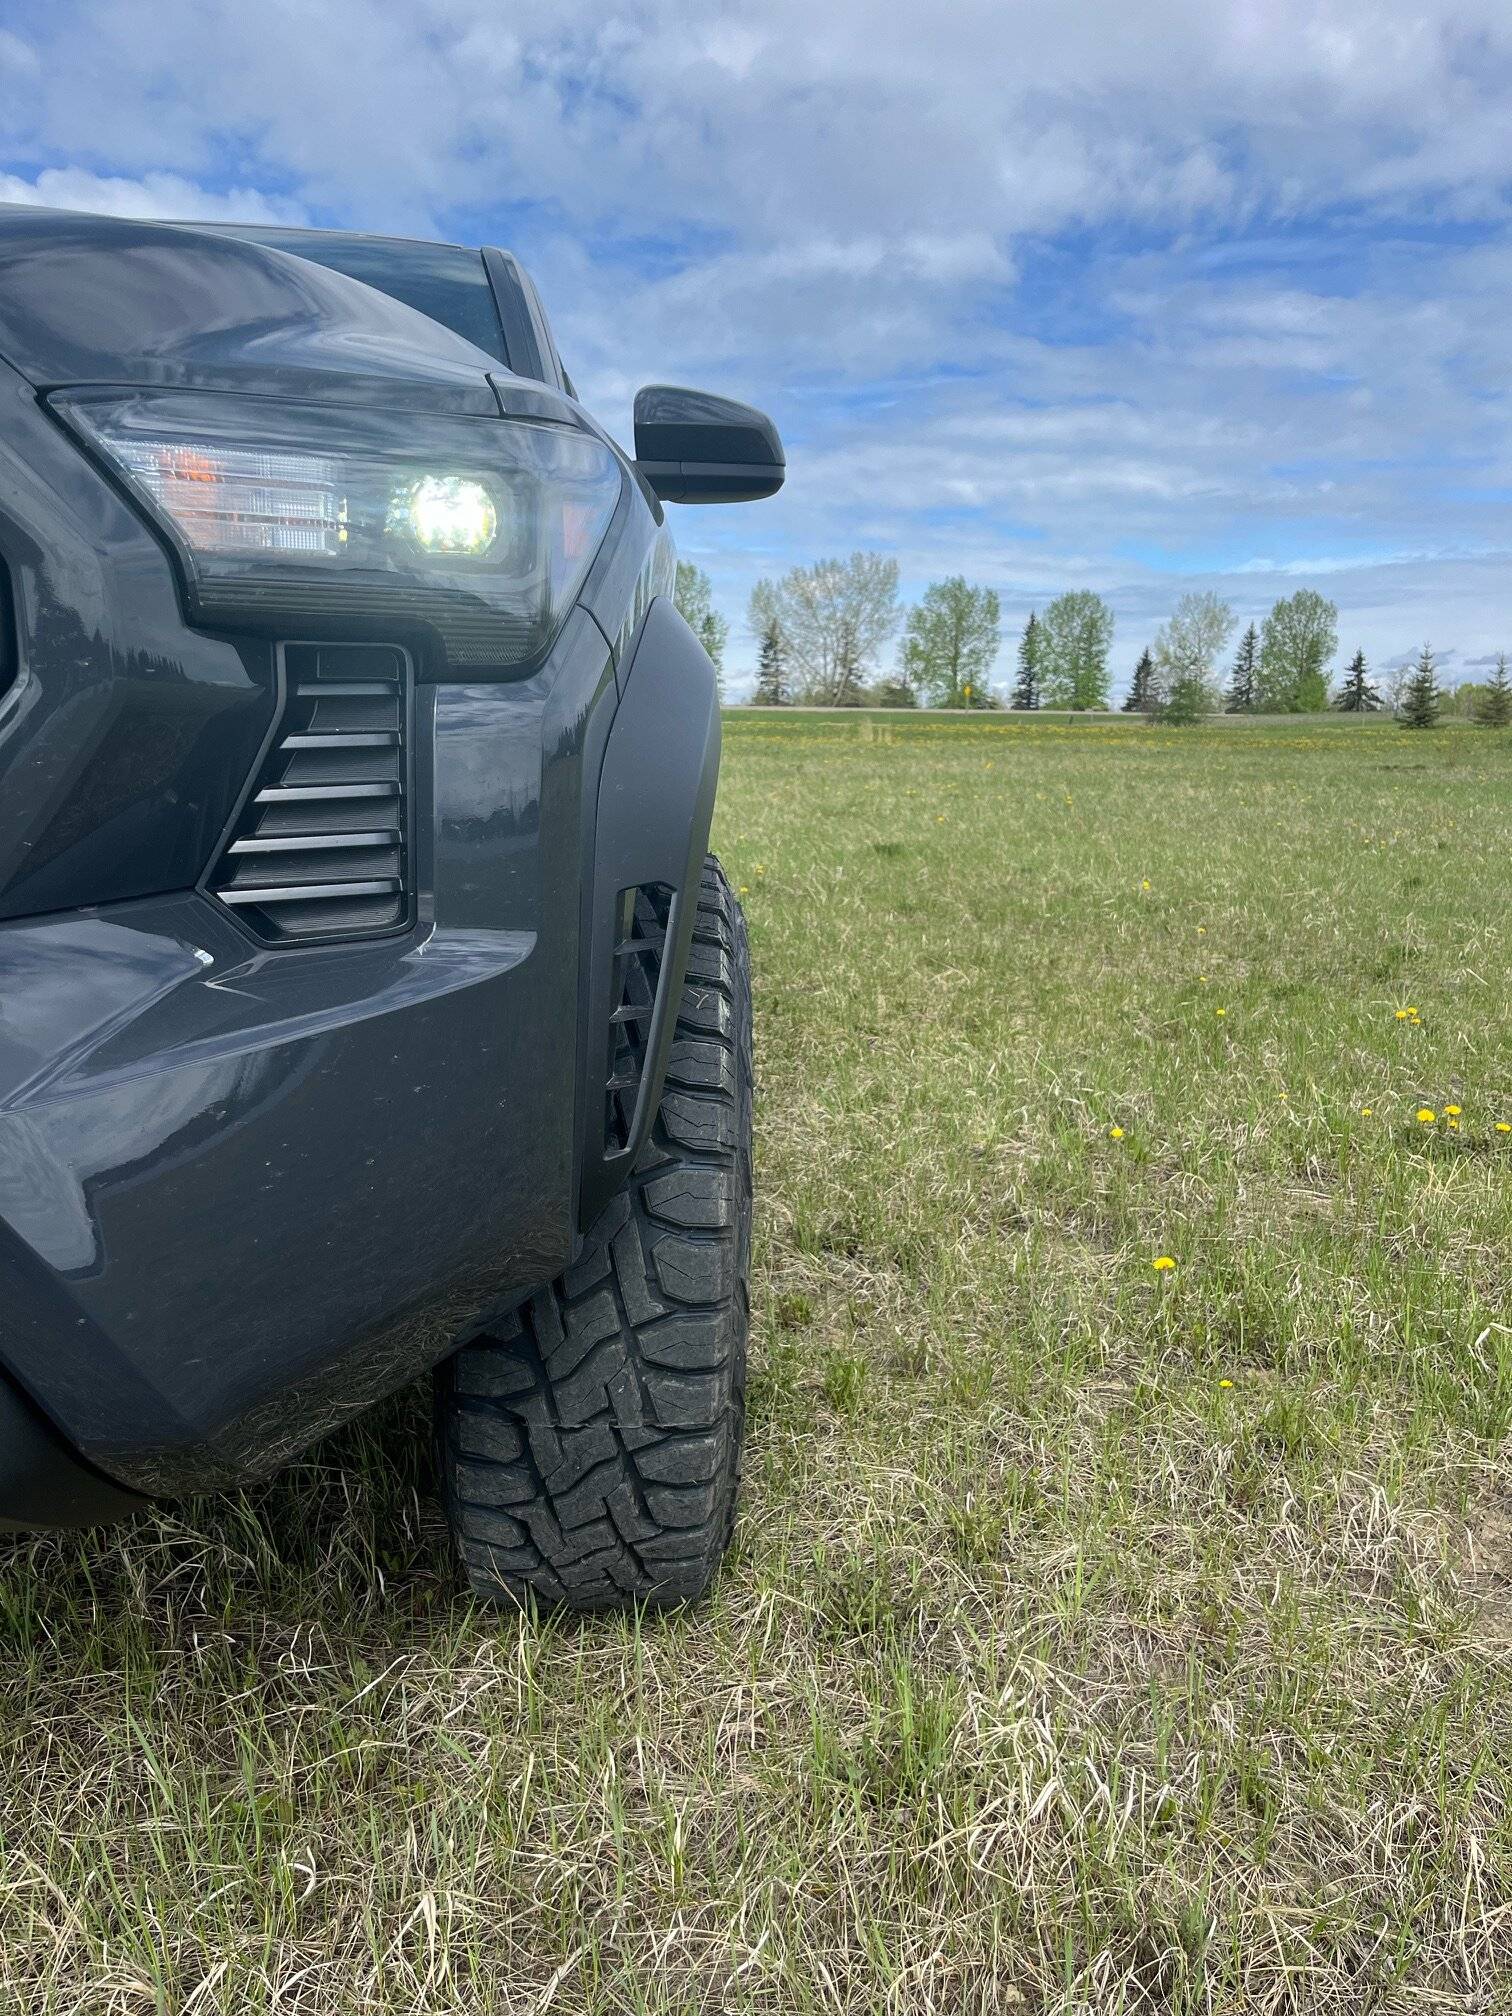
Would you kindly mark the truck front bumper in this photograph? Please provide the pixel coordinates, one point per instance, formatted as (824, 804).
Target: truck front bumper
(246, 1191)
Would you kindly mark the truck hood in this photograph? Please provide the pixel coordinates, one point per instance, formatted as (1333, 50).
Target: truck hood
(114, 301)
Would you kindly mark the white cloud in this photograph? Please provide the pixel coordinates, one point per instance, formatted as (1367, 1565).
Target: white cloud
(152, 195)
(1103, 295)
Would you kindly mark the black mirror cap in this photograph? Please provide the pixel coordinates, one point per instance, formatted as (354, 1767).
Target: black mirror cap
(696, 448)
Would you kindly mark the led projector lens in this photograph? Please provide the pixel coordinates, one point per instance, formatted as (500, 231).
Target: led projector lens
(446, 514)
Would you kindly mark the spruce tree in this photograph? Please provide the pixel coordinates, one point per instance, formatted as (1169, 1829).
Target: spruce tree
(1138, 701)
(1186, 700)
(1357, 695)
(1494, 709)
(1420, 696)
(1026, 691)
(1240, 697)
(848, 688)
(771, 669)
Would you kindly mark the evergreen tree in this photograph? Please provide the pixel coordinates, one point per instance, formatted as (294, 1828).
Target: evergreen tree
(1138, 701)
(1026, 691)
(893, 691)
(1186, 699)
(1494, 708)
(848, 688)
(1357, 695)
(771, 668)
(1420, 696)
(1240, 697)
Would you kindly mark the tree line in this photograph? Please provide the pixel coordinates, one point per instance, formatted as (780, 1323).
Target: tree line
(822, 632)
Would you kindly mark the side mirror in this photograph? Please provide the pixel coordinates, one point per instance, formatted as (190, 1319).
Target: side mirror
(696, 448)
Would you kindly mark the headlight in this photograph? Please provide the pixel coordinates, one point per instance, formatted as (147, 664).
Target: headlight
(308, 520)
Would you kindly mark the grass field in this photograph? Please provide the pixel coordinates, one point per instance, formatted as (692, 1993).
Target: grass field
(1099, 1636)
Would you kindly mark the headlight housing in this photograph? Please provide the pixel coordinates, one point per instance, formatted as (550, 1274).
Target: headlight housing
(326, 521)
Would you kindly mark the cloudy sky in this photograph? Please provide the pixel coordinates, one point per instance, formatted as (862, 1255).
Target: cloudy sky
(1127, 294)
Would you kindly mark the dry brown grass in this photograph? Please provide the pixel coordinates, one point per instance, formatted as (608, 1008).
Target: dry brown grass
(1094, 1640)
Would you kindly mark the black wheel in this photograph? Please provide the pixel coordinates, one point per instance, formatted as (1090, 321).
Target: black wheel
(590, 1452)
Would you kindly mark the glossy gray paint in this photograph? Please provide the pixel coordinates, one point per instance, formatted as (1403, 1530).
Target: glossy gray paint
(243, 1191)
(111, 301)
(124, 737)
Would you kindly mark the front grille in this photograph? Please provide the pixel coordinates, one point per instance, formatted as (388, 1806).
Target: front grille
(321, 847)
(639, 948)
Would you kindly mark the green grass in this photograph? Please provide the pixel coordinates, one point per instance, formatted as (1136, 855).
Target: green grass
(1096, 1638)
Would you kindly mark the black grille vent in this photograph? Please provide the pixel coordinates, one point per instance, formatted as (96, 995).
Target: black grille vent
(639, 948)
(320, 849)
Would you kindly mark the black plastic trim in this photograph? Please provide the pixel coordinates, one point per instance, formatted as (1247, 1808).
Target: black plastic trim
(234, 837)
(43, 1484)
(522, 338)
(655, 805)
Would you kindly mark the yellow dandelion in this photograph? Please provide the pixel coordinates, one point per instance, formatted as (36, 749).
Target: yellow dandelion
(1453, 1126)
(1367, 1112)
(1427, 1115)
(1164, 1264)
(1144, 885)
(1202, 930)
(1220, 1011)
(1115, 1133)
(1504, 1126)
(1401, 1014)
(745, 888)
(1225, 1385)
(1454, 1111)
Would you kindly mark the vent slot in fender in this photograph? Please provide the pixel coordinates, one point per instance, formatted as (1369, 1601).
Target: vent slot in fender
(639, 953)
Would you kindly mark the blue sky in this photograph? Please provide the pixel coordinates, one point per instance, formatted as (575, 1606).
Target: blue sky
(1140, 296)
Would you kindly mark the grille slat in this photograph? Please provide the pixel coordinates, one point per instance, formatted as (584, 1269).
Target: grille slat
(383, 738)
(320, 850)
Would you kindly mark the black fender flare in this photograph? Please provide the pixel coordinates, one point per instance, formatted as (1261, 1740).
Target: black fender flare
(655, 804)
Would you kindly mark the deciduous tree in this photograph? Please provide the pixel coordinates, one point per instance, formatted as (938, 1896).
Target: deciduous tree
(694, 595)
(1186, 652)
(834, 617)
(1297, 646)
(951, 642)
(1077, 634)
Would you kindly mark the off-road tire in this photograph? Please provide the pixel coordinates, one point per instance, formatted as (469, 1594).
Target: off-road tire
(590, 1451)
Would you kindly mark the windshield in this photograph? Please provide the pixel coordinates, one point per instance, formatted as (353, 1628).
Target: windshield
(445, 282)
